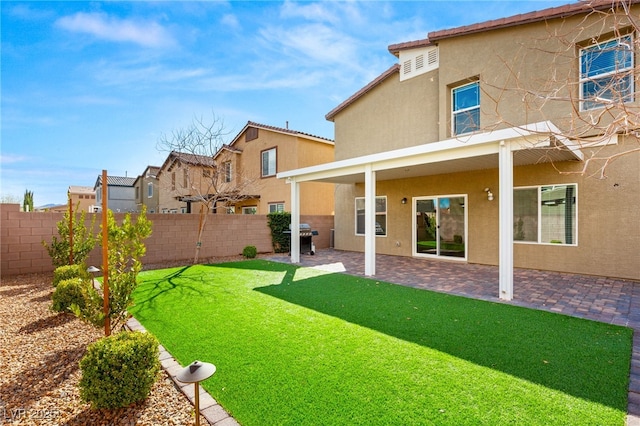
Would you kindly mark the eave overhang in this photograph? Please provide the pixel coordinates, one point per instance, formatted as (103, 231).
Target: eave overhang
(534, 143)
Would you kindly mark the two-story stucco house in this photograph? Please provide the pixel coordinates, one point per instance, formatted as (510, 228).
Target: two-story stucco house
(478, 147)
(241, 175)
(146, 190)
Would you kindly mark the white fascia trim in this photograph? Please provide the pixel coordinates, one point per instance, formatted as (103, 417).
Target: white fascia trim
(533, 135)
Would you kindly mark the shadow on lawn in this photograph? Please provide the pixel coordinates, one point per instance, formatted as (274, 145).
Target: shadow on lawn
(579, 357)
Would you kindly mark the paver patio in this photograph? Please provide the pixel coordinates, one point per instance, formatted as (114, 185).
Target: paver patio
(609, 300)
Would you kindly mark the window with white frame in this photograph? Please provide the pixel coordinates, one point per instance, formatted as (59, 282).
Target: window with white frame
(380, 219)
(249, 210)
(606, 73)
(149, 189)
(276, 207)
(231, 210)
(465, 103)
(546, 214)
(227, 171)
(269, 162)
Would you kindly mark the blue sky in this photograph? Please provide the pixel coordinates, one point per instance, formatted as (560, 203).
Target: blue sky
(88, 86)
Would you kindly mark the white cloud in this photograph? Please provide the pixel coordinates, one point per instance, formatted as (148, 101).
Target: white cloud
(309, 11)
(12, 158)
(316, 41)
(102, 26)
(230, 21)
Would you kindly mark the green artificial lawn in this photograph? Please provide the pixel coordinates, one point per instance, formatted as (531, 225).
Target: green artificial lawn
(300, 346)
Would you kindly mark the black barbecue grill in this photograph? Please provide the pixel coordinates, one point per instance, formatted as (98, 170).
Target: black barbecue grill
(306, 238)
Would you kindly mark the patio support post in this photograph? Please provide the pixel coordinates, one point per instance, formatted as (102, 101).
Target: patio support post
(295, 221)
(505, 200)
(369, 221)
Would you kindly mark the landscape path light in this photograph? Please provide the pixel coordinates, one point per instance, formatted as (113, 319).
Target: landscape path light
(93, 271)
(194, 373)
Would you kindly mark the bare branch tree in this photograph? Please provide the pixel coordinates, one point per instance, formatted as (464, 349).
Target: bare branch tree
(586, 86)
(205, 161)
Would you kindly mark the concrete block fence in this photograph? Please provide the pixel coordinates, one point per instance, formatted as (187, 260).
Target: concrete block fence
(173, 239)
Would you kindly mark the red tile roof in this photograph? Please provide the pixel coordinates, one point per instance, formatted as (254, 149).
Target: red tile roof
(395, 49)
(535, 16)
(284, 130)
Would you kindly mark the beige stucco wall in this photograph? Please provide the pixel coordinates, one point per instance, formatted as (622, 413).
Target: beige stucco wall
(527, 73)
(507, 62)
(608, 216)
(393, 115)
(292, 152)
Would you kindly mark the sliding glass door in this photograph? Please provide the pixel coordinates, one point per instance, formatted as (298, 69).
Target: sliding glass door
(440, 226)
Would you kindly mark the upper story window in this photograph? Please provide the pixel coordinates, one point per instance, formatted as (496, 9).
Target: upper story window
(228, 176)
(606, 73)
(149, 190)
(269, 162)
(465, 108)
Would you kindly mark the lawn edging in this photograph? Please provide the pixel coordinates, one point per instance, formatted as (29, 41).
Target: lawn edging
(213, 412)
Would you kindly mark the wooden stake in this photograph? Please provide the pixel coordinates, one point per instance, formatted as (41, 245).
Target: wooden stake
(70, 229)
(105, 255)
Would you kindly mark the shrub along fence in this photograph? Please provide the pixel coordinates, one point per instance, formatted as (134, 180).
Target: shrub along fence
(173, 238)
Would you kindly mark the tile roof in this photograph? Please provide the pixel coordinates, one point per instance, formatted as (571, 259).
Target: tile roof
(285, 130)
(81, 189)
(395, 49)
(535, 16)
(392, 70)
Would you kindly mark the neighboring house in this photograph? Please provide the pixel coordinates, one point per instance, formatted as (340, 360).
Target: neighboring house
(147, 190)
(82, 198)
(120, 194)
(459, 166)
(244, 172)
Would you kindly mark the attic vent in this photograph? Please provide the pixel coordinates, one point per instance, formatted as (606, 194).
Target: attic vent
(432, 57)
(252, 133)
(419, 61)
(407, 66)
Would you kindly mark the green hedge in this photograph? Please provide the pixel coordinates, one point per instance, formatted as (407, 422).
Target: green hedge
(279, 223)
(67, 272)
(68, 293)
(119, 370)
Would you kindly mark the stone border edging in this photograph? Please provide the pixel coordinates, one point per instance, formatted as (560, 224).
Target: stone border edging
(209, 407)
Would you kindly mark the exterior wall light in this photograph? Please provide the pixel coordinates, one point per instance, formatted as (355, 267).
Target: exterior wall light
(404, 200)
(489, 194)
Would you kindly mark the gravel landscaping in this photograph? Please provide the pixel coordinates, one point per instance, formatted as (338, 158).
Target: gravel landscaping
(39, 355)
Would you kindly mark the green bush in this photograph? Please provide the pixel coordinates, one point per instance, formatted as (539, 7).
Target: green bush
(279, 222)
(68, 293)
(119, 370)
(67, 272)
(250, 252)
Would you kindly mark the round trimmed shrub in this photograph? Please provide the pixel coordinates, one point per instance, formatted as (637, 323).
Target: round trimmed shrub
(119, 370)
(250, 252)
(67, 272)
(67, 293)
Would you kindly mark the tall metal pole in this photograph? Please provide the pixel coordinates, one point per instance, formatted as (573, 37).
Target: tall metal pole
(105, 255)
